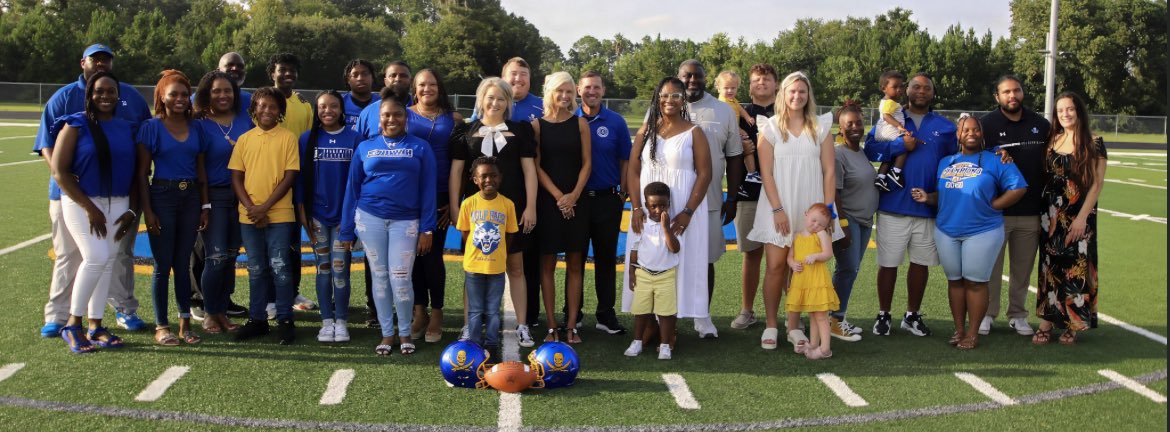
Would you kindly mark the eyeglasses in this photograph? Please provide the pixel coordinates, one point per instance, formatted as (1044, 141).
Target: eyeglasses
(671, 96)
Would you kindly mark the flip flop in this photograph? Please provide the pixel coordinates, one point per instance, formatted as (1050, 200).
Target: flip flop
(768, 339)
(573, 337)
(383, 350)
(95, 335)
(76, 343)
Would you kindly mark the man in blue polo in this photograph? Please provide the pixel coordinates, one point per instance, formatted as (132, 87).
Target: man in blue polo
(68, 100)
(903, 225)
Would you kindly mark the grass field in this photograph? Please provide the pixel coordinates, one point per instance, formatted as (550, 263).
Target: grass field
(908, 383)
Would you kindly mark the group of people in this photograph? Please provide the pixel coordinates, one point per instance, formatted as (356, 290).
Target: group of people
(527, 178)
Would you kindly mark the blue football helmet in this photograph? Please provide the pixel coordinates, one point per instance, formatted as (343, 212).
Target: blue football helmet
(463, 364)
(556, 365)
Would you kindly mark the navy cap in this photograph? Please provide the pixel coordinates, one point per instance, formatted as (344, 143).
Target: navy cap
(97, 48)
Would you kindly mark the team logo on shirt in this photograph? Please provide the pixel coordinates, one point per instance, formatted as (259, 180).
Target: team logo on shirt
(603, 131)
(391, 153)
(333, 154)
(486, 237)
(958, 172)
(1035, 130)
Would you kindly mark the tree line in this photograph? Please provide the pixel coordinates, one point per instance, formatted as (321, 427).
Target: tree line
(1112, 51)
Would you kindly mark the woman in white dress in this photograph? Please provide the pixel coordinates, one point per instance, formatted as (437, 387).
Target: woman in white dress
(796, 145)
(673, 151)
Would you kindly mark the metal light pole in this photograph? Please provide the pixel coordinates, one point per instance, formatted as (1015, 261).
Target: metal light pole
(1050, 62)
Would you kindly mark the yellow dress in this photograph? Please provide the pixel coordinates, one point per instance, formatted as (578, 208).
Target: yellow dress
(812, 289)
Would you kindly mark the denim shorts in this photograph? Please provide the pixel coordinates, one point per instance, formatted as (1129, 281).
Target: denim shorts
(971, 257)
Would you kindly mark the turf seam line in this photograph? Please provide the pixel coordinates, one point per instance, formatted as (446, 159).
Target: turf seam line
(21, 162)
(25, 243)
(17, 137)
(986, 388)
(159, 386)
(10, 369)
(1111, 320)
(681, 392)
(510, 416)
(842, 390)
(1132, 385)
(1138, 184)
(338, 384)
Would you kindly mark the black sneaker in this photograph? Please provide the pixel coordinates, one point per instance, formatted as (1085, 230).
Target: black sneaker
(286, 331)
(881, 326)
(235, 310)
(912, 323)
(894, 179)
(880, 183)
(610, 326)
(252, 329)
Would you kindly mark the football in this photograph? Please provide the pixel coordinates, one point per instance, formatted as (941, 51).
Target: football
(510, 377)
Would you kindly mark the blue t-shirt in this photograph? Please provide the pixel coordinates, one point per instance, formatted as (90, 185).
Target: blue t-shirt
(71, 99)
(353, 111)
(966, 186)
(220, 142)
(937, 140)
(438, 135)
(173, 159)
(524, 110)
(391, 178)
(120, 134)
(330, 168)
(610, 146)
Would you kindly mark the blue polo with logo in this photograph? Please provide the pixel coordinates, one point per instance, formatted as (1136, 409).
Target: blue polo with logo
(610, 146)
(937, 140)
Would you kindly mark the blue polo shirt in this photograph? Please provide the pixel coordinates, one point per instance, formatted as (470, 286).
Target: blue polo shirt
(610, 146)
(438, 135)
(353, 111)
(71, 99)
(173, 159)
(120, 134)
(966, 186)
(331, 159)
(524, 110)
(937, 140)
(220, 142)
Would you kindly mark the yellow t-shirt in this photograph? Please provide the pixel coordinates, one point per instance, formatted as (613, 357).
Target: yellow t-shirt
(488, 222)
(735, 106)
(298, 115)
(264, 156)
(888, 106)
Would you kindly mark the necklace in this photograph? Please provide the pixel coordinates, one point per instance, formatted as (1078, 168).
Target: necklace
(391, 143)
(227, 133)
(418, 110)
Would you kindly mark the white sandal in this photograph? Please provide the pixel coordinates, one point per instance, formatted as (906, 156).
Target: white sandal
(768, 339)
(798, 340)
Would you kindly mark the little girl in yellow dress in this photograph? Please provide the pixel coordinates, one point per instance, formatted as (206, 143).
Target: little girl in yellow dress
(811, 289)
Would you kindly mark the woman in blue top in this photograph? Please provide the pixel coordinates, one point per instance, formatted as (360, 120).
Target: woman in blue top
(221, 122)
(974, 186)
(326, 153)
(93, 163)
(390, 204)
(171, 203)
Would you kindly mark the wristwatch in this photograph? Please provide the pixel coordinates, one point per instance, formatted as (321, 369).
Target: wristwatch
(688, 211)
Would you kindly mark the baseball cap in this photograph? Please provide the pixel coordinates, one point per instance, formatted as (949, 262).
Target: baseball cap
(97, 48)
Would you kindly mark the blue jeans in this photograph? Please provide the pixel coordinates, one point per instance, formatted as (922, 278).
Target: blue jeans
(484, 293)
(332, 271)
(848, 262)
(271, 261)
(178, 216)
(391, 246)
(221, 246)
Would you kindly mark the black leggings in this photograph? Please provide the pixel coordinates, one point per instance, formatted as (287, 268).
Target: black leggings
(429, 276)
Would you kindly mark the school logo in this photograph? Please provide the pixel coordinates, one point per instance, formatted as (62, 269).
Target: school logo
(1035, 130)
(460, 363)
(1003, 134)
(486, 237)
(958, 172)
(603, 131)
(124, 103)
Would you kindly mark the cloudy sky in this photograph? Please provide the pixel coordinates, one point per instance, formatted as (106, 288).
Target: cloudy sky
(566, 21)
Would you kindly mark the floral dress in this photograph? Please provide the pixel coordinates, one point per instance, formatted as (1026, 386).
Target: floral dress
(1067, 295)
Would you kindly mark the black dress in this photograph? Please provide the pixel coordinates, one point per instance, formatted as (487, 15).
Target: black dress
(560, 158)
(521, 144)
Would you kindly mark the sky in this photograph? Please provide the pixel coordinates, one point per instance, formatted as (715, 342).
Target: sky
(566, 21)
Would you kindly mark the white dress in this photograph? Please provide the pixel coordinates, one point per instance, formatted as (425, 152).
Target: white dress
(674, 164)
(796, 168)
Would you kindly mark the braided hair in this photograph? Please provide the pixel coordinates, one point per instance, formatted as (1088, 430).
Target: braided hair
(654, 115)
(308, 159)
(100, 141)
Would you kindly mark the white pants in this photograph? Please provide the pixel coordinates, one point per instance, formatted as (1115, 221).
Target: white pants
(92, 285)
(68, 259)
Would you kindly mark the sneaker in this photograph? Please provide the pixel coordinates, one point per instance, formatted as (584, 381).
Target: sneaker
(271, 310)
(880, 183)
(303, 303)
(130, 321)
(464, 334)
(706, 328)
(985, 325)
(664, 352)
(840, 332)
(1020, 325)
(753, 177)
(286, 331)
(894, 179)
(327, 331)
(525, 336)
(912, 322)
(634, 349)
(610, 326)
(340, 333)
(197, 313)
(235, 310)
(252, 329)
(51, 330)
(881, 326)
(850, 328)
(744, 320)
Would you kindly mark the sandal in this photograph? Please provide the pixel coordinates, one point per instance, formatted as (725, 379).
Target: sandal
(433, 337)
(102, 337)
(189, 337)
(211, 326)
(768, 339)
(406, 348)
(164, 337)
(76, 343)
(955, 338)
(799, 341)
(1042, 337)
(552, 336)
(968, 343)
(572, 336)
(383, 350)
(1069, 337)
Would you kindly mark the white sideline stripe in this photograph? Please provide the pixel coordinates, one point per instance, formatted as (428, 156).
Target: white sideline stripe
(1140, 217)
(682, 394)
(510, 419)
(338, 383)
(986, 388)
(10, 369)
(1111, 320)
(842, 390)
(155, 390)
(19, 124)
(1139, 154)
(1132, 385)
(25, 244)
(20, 163)
(1136, 184)
(17, 137)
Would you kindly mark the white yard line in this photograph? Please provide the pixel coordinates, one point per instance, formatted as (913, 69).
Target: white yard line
(986, 388)
(338, 384)
(1111, 320)
(21, 162)
(17, 137)
(681, 392)
(510, 417)
(155, 390)
(1138, 154)
(1140, 217)
(9, 369)
(842, 390)
(1136, 184)
(1129, 383)
(25, 244)
(5, 124)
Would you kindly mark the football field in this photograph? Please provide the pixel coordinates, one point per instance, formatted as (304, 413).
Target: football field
(1113, 379)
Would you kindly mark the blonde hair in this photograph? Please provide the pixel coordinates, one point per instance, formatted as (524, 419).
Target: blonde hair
(551, 84)
(810, 107)
(724, 76)
(481, 94)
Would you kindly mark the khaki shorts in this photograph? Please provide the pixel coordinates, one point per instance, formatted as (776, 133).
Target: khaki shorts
(716, 244)
(898, 235)
(745, 219)
(656, 294)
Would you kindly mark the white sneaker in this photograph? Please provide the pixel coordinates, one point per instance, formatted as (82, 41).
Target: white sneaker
(271, 309)
(525, 336)
(1020, 325)
(327, 331)
(303, 303)
(985, 325)
(464, 334)
(706, 328)
(664, 352)
(743, 320)
(634, 349)
(850, 328)
(340, 333)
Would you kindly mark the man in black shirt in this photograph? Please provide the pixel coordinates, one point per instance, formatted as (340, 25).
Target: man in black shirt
(1023, 134)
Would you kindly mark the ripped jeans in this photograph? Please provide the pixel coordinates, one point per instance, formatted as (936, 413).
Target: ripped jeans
(391, 246)
(271, 262)
(332, 271)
